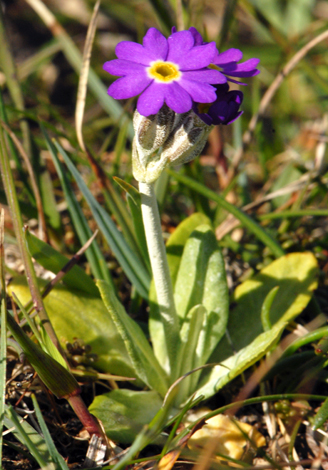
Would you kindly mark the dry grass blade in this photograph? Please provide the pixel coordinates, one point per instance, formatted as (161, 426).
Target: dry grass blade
(268, 95)
(83, 82)
(20, 148)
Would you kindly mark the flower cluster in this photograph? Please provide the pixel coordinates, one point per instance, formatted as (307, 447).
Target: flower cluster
(182, 83)
(183, 72)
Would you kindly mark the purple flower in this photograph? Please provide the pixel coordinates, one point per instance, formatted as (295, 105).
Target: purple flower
(172, 71)
(225, 108)
(227, 62)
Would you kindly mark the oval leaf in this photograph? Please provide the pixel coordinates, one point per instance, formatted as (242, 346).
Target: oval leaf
(75, 314)
(295, 274)
(202, 280)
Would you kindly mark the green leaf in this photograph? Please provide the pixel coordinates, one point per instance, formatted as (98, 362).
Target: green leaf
(187, 358)
(140, 351)
(178, 239)
(137, 274)
(76, 314)
(123, 413)
(174, 250)
(58, 379)
(237, 363)
(54, 261)
(296, 276)
(202, 280)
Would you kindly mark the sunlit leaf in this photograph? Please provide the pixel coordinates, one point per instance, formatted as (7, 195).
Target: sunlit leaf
(78, 315)
(124, 412)
(296, 275)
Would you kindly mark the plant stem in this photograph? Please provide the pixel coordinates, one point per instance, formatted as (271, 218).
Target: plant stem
(161, 273)
(87, 419)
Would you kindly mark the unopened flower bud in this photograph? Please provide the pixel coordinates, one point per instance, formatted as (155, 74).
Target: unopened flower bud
(150, 135)
(152, 131)
(177, 138)
(187, 139)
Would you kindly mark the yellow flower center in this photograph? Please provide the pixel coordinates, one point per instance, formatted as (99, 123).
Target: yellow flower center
(164, 71)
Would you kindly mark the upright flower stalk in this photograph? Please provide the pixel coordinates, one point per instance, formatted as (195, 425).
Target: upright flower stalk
(182, 83)
(160, 269)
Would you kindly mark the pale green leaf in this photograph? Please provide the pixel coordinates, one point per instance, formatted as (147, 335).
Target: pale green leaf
(75, 314)
(202, 280)
(296, 276)
(140, 351)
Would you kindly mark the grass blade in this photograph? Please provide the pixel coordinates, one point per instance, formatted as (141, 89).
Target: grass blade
(93, 253)
(56, 457)
(125, 256)
(28, 436)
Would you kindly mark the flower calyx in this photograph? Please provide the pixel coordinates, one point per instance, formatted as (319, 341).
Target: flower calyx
(165, 139)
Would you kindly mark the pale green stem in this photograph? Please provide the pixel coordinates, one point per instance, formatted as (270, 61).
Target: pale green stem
(161, 273)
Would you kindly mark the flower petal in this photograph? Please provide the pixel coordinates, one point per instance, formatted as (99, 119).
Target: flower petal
(197, 37)
(129, 86)
(206, 75)
(180, 44)
(198, 57)
(135, 52)
(177, 98)
(199, 92)
(231, 55)
(120, 67)
(247, 66)
(156, 43)
(151, 100)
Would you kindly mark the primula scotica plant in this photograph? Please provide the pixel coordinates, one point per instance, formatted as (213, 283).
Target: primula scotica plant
(183, 91)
